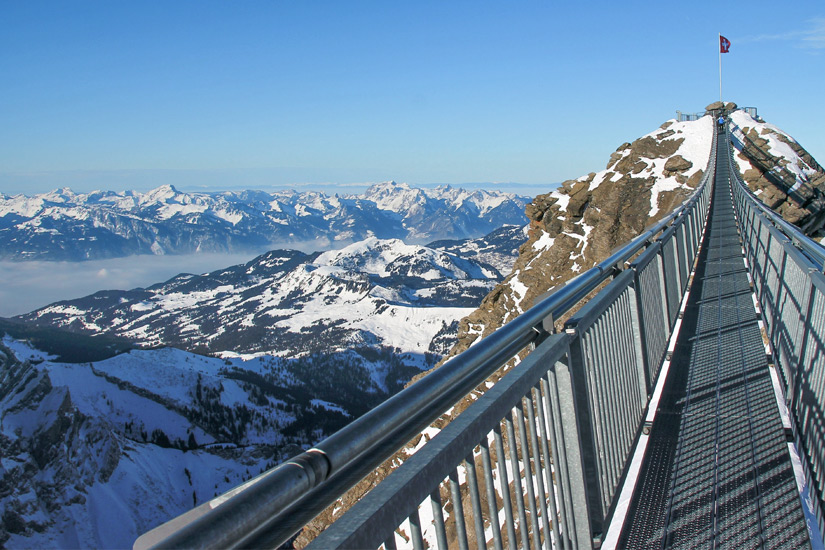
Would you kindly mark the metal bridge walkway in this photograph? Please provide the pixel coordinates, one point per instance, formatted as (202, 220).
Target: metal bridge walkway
(717, 472)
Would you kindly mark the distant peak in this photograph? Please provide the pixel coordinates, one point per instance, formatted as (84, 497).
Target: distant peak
(386, 186)
(165, 188)
(163, 192)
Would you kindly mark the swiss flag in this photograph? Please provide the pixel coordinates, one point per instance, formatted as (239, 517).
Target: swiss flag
(724, 44)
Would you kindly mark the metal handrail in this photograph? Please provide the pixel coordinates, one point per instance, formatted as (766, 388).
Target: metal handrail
(272, 507)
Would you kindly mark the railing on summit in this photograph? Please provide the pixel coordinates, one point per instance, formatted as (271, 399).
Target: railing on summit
(550, 441)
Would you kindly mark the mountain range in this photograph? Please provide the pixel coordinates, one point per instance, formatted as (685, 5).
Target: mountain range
(63, 225)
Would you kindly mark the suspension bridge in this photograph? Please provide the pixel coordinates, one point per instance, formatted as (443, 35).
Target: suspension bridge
(679, 407)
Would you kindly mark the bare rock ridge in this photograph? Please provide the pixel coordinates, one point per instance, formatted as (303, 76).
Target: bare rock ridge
(578, 225)
(780, 172)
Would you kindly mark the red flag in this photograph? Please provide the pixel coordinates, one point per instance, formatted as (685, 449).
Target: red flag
(724, 44)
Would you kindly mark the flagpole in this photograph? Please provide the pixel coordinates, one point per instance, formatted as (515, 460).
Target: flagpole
(719, 47)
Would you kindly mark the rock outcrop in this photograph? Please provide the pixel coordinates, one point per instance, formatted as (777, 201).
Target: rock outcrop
(575, 227)
(780, 172)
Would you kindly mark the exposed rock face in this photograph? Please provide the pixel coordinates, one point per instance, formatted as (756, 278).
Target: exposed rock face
(720, 106)
(780, 172)
(677, 163)
(578, 225)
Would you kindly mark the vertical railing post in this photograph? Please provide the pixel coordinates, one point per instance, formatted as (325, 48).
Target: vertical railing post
(575, 431)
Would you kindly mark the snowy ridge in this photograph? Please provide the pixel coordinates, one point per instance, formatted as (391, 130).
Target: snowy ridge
(779, 145)
(316, 340)
(95, 454)
(696, 140)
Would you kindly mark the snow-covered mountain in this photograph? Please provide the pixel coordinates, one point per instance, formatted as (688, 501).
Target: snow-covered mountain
(374, 294)
(98, 451)
(63, 225)
(94, 454)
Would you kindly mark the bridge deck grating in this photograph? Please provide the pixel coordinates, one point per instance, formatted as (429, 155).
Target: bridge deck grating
(716, 471)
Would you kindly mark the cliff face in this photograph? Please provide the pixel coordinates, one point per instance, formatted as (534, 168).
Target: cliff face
(578, 225)
(780, 172)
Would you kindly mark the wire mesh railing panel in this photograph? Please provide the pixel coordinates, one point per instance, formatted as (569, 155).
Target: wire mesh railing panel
(772, 279)
(673, 286)
(791, 310)
(682, 253)
(786, 268)
(808, 406)
(652, 307)
(608, 362)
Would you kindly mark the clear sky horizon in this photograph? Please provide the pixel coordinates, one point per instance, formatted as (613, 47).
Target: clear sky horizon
(219, 95)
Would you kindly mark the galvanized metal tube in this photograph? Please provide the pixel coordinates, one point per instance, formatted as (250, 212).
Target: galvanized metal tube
(438, 519)
(458, 511)
(560, 460)
(547, 472)
(602, 403)
(504, 484)
(475, 499)
(618, 413)
(415, 531)
(594, 389)
(518, 491)
(492, 505)
(528, 474)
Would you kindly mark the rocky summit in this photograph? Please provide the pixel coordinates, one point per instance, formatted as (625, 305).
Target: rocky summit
(576, 226)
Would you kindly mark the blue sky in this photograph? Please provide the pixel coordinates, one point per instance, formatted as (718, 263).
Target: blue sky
(219, 95)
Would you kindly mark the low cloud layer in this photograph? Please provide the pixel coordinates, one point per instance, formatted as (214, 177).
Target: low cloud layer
(30, 285)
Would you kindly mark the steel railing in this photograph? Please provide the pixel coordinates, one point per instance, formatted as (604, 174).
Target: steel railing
(786, 270)
(577, 416)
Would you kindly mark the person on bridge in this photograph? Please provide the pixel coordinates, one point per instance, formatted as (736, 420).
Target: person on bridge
(721, 120)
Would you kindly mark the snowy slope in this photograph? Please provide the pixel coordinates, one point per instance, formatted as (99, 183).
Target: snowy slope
(374, 293)
(94, 454)
(779, 145)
